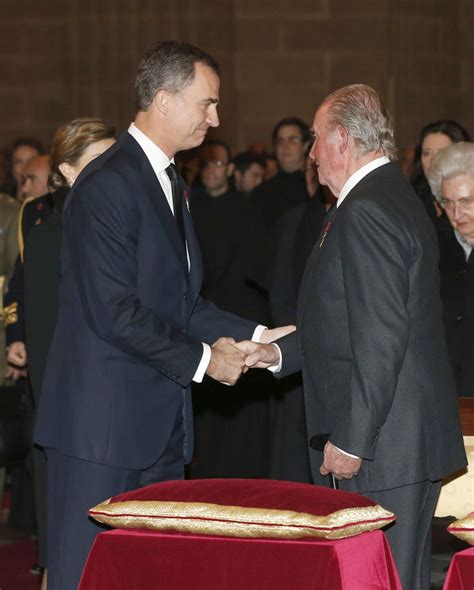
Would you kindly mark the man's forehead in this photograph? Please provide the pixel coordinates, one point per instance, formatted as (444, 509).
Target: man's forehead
(213, 151)
(319, 115)
(36, 166)
(206, 77)
(288, 130)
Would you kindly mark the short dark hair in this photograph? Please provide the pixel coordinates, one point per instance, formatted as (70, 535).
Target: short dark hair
(244, 160)
(168, 65)
(220, 143)
(32, 142)
(296, 122)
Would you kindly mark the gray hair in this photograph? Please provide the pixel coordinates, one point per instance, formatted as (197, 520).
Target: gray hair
(359, 109)
(454, 160)
(168, 65)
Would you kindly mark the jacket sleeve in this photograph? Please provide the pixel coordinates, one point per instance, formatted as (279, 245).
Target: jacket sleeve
(375, 262)
(101, 232)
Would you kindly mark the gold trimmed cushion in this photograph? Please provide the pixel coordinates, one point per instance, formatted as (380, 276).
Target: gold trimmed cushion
(244, 508)
(463, 528)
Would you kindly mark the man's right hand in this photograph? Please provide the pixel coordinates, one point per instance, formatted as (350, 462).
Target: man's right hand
(16, 354)
(227, 362)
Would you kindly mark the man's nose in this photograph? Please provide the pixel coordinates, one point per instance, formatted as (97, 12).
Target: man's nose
(213, 118)
(457, 211)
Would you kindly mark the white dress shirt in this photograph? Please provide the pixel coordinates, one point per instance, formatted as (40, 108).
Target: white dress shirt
(159, 162)
(358, 176)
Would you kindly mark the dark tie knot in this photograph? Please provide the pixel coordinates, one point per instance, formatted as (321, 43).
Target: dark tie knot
(171, 172)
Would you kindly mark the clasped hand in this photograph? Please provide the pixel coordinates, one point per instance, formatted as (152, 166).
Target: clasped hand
(231, 359)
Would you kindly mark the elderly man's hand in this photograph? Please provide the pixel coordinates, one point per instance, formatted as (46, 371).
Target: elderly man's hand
(259, 356)
(342, 466)
(269, 336)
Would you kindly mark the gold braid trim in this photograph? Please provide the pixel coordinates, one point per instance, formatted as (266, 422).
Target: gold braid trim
(8, 314)
(236, 521)
(21, 239)
(463, 528)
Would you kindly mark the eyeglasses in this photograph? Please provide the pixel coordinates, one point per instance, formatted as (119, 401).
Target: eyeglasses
(213, 163)
(464, 203)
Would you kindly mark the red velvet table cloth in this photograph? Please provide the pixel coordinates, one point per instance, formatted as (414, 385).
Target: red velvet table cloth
(132, 560)
(461, 571)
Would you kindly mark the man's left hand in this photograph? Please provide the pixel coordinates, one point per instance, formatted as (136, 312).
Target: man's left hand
(339, 464)
(268, 336)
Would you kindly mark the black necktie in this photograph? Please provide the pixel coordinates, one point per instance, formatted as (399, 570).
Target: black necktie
(177, 201)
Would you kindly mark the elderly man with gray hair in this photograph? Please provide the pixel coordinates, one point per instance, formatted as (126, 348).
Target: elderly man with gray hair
(451, 178)
(379, 394)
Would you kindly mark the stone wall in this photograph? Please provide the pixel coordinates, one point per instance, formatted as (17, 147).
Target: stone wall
(65, 58)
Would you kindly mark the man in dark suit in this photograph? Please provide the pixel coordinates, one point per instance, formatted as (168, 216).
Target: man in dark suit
(369, 334)
(132, 331)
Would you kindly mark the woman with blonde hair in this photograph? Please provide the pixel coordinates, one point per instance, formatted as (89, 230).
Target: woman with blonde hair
(74, 145)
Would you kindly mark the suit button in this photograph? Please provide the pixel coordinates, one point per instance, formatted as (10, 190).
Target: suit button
(300, 349)
(186, 296)
(459, 318)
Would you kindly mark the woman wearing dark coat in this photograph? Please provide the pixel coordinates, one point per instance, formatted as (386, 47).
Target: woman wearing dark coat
(451, 177)
(74, 146)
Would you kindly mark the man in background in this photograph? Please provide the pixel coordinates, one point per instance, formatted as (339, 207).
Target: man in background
(249, 172)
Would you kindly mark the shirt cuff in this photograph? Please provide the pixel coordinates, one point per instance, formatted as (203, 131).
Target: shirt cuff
(276, 368)
(202, 367)
(344, 453)
(257, 333)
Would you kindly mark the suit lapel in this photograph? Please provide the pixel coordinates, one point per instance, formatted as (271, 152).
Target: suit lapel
(156, 196)
(319, 245)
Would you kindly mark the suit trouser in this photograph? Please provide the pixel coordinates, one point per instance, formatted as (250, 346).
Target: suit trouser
(410, 535)
(74, 486)
(39, 476)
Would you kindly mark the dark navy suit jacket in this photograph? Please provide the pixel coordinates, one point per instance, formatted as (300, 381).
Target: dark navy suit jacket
(130, 321)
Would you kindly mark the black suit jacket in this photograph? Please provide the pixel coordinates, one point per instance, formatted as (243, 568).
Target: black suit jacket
(370, 339)
(457, 294)
(130, 320)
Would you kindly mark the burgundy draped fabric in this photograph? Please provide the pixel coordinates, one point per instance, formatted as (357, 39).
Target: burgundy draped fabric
(128, 559)
(461, 571)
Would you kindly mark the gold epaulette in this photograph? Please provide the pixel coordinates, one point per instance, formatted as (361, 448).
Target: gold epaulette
(9, 314)
(21, 239)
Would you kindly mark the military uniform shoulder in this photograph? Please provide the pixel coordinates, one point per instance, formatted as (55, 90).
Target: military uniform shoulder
(33, 212)
(8, 202)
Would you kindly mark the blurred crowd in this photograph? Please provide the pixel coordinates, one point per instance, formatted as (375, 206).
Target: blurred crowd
(257, 215)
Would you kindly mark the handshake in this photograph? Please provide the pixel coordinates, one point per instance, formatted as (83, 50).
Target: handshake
(230, 359)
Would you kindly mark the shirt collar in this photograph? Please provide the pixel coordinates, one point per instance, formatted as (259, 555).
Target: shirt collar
(158, 159)
(359, 175)
(466, 246)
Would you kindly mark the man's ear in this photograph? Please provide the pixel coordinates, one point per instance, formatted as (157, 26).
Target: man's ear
(230, 169)
(343, 139)
(162, 101)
